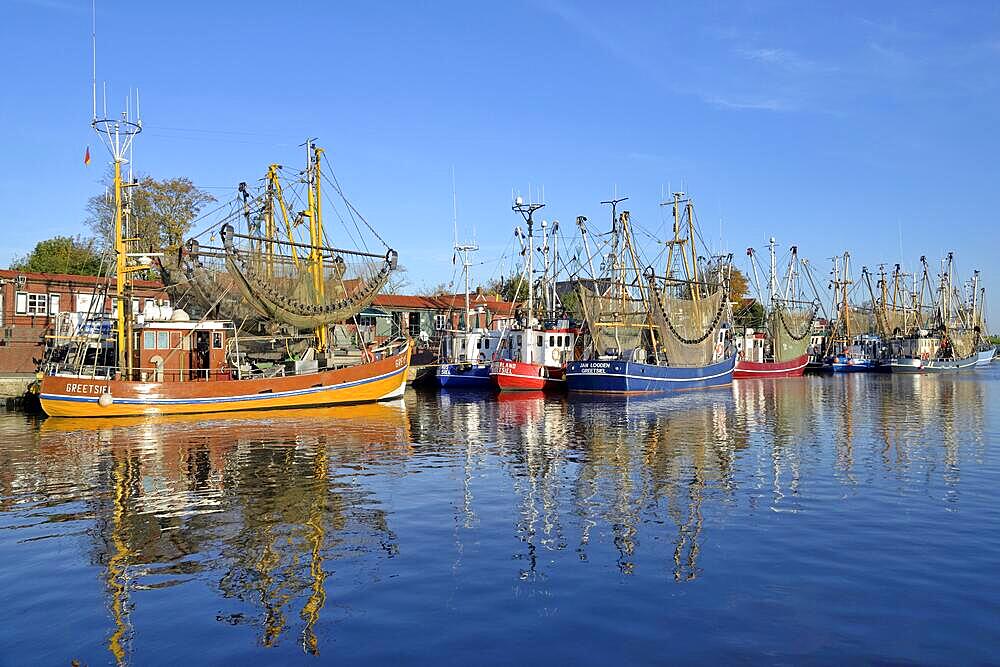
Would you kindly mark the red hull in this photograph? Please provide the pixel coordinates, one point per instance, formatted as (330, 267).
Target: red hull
(518, 376)
(746, 370)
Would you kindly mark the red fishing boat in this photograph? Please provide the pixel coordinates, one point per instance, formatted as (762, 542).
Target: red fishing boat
(532, 356)
(780, 349)
(534, 359)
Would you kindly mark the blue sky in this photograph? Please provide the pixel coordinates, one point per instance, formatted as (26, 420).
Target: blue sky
(832, 125)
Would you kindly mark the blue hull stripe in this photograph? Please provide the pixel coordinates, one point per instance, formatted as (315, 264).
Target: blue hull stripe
(452, 375)
(226, 399)
(626, 376)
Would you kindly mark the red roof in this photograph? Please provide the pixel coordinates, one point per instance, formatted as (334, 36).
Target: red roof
(73, 279)
(442, 302)
(406, 301)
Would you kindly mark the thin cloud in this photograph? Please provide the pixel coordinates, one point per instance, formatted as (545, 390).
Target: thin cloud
(58, 5)
(765, 104)
(785, 59)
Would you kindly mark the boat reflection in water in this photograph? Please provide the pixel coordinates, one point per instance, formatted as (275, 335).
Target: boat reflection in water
(330, 530)
(269, 481)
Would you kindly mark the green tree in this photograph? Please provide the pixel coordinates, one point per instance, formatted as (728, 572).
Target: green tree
(510, 289)
(161, 212)
(62, 254)
(749, 314)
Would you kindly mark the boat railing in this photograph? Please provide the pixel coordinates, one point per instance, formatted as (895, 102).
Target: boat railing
(145, 374)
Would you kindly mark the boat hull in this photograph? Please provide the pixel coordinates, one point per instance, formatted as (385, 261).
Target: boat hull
(977, 359)
(464, 376)
(519, 376)
(628, 377)
(906, 365)
(746, 370)
(68, 396)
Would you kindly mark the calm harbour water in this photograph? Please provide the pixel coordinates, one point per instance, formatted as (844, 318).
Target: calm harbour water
(821, 519)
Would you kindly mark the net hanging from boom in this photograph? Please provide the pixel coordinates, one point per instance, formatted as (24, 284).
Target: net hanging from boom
(688, 323)
(615, 324)
(327, 286)
(791, 325)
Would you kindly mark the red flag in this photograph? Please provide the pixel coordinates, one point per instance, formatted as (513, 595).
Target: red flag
(86, 156)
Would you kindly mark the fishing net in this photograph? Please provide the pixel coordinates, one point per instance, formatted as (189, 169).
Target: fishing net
(285, 285)
(199, 282)
(962, 343)
(791, 329)
(897, 322)
(688, 326)
(616, 324)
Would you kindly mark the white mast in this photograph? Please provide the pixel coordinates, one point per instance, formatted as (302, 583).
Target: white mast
(772, 286)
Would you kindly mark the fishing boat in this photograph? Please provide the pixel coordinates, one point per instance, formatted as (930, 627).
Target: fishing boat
(534, 351)
(651, 334)
(850, 345)
(466, 354)
(781, 348)
(163, 361)
(952, 336)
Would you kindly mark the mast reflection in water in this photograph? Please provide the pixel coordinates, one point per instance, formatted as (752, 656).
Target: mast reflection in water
(850, 518)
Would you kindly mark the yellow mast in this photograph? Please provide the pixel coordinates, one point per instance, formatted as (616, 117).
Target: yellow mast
(121, 277)
(272, 177)
(316, 239)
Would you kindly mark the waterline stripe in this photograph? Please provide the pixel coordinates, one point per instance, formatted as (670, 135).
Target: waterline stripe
(226, 399)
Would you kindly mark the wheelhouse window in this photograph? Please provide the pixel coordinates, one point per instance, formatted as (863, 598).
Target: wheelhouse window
(163, 340)
(149, 340)
(217, 340)
(540, 340)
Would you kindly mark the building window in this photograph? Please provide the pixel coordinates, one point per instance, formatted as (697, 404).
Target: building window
(27, 303)
(414, 328)
(149, 340)
(53, 304)
(366, 320)
(163, 340)
(439, 322)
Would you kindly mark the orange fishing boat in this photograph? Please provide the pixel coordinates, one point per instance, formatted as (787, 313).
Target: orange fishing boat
(301, 352)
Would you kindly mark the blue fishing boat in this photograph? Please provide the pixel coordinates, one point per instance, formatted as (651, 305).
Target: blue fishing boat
(623, 376)
(655, 334)
(465, 355)
(464, 376)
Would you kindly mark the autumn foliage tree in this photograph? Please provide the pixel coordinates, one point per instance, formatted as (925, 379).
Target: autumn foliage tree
(161, 212)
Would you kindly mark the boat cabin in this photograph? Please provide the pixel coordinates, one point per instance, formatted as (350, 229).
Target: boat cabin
(755, 347)
(178, 350)
(476, 346)
(546, 347)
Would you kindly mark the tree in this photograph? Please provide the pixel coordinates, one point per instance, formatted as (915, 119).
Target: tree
(511, 289)
(441, 289)
(161, 212)
(749, 314)
(397, 281)
(62, 254)
(737, 286)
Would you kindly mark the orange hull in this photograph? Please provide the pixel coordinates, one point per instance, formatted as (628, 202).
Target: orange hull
(74, 396)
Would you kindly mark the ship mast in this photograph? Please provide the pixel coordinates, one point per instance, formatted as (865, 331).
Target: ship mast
(117, 135)
(527, 212)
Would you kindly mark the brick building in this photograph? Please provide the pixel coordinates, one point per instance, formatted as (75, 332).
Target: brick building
(36, 305)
